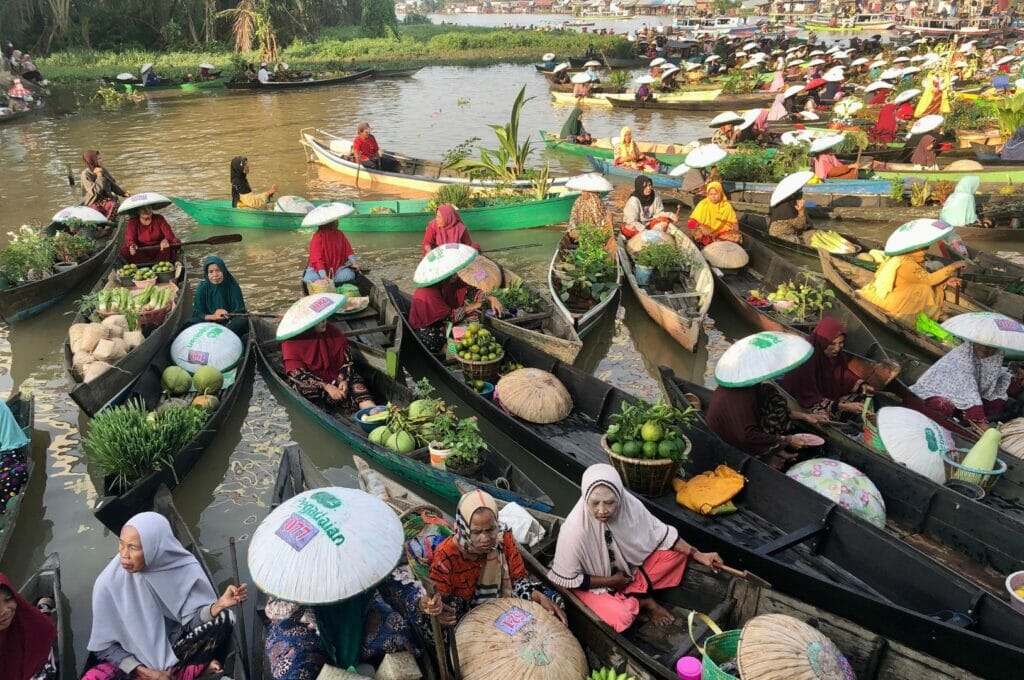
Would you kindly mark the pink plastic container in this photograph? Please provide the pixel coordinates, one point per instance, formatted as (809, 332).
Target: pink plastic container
(688, 668)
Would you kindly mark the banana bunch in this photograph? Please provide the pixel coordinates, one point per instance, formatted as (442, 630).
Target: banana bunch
(832, 242)
(608, 674)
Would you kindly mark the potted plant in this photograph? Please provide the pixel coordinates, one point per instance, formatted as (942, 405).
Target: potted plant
(70, 249)
(662, 258)
(458, 444)
(29, 256)
(646, 444)
(587, 276)
(516, 298)
(804, 301)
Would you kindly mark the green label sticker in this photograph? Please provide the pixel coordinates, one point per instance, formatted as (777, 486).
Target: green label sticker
(932, 438)
(765, 340)
(328, 500)
(319, 516)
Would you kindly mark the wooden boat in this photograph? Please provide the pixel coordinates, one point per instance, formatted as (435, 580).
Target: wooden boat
(114, 383)
(670, 154)
(799, 541)
(393, 216)
(414, 173)
(23, 409)
(583, 316)
(20, 116)
(867, 22)
(659, 180)
(987, 175)
(18, 303)
(605, 98)
(167, 86)
(384, 73)
(115, 505)
(596, 88)
(680, 311)
(719, 103)
(274, 86)
(546, 329)
(45, 583)
(498, 476)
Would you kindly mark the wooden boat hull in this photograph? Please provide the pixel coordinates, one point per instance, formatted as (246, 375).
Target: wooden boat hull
(413, 466)
(376, 179)
(114, 509)
(585, 321)
(112, 385)
(27, 300)
(719, 103)
(684, 325)
(383, 73)
(1001, 175)
(45, 582)
(174, 87)
(24, 412)
(659, 180)
(257, 86)
(20, 116)
(406, 216)
(670, 154)
(805, 546)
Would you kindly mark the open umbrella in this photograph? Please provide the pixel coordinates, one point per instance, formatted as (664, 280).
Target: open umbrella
(842, 484)
(442, 262)
(991, 329)
(327, 213)
(915, 440)
(307, 312)
(761, 356)
(325, 545)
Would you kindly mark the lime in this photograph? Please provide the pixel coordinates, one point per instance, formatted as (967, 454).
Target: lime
(651, 432)
(492, 356)
(668, 448)
(617, 448)
(475, 356)
(650, 449)
(630, 449)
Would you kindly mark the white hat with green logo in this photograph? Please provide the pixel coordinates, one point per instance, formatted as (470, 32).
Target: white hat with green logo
(307, 312)
(761, 356)
(915, 440)
(442, 262)
(916, 235)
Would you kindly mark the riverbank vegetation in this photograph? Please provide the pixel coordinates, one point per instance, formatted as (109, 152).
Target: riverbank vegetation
(345, 48)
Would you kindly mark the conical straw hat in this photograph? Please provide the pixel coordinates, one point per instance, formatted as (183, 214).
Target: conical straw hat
(548, 56)
(307, 312)
(442, 262)
(842, 484)
(761, 356)
(927, 124)
(580, 78)
(789, 185)
(781, 647)
(725, 118)
(705, 155)
(481, 273)
(81, 213)
(590, 181)
(914, 440)
(825, 143)
(915, 235)
(325, 545)
(988, 328)
(147, 198)
(906, 95)
(327, 213)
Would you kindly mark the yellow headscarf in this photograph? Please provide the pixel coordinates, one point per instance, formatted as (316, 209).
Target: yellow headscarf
(627, 150)
(885, 278)
(715, 216)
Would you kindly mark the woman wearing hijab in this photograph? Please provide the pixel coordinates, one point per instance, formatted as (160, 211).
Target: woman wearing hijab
(713, 219)
(13, 467)
(826, 384)
(242, 195)
(148, 228)
(481, 562)
(155, 614)
(331, 256)
(904, 288)
(778, 109)
(573, 130)
(1013, 149)
(884, 129)
(644, 209)
(614, 554)
(923, 157)
(446, 227)
(627, 153)
(959, 210)
(99, 190)
(449, 301)
(788, 219)
(319, 367)
(26, 637)
(589, 208)
(218, 296)
(969, 381)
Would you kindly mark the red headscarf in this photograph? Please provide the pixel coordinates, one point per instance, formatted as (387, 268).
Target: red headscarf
(884, 130)
(879, 98)
(25, 644)
(322, 354)
(821, 377)
(91, 159)
(431, 304)
(453, 231)
(734, 414)
(329, 249)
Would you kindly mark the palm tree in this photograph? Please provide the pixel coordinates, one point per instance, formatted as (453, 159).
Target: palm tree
(251, 20)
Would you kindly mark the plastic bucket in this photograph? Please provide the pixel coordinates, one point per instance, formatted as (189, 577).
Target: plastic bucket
(438, 456)
(643, 274)
(1015, 580)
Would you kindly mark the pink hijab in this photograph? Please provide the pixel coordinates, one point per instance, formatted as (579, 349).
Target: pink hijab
(824, 163)
(778, 83)
(778, 109)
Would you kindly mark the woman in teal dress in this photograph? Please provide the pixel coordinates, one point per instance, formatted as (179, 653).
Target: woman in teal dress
(218, 296)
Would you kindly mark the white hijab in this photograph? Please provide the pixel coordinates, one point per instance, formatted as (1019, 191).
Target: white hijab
(635, 534)
(964, 378)
(142, 612)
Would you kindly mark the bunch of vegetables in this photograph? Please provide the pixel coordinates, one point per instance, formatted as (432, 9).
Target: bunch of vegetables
(119, 300)
(516, 297)
(406, 429)
(651, 431)
(833, 242)
(608, 674)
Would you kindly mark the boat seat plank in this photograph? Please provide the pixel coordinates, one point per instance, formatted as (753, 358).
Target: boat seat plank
(529, 318)
(801, 535)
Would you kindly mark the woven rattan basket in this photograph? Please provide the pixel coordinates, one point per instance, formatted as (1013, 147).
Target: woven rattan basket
(648, 477)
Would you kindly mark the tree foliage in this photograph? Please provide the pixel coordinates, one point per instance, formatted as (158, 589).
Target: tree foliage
(379, 18)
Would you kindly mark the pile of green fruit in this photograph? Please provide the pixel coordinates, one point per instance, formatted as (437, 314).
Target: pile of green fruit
(127, 272)
(405, 429)
(608, 674)
(163, 267)
(650, 431)
(478, 345)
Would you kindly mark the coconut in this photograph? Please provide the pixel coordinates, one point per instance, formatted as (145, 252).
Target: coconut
(647, 238)
(110, 350)
(726, 255)
(133, 339)
(116, 325)
(95, 370)
(534, 395)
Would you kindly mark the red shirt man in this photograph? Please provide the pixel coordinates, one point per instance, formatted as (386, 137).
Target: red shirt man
(364, 146)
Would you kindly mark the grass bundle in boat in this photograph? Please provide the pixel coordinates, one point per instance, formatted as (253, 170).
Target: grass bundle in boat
(534, 395)
(126, 442)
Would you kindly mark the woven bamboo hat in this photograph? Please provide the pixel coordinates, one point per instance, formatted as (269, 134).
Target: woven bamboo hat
(761, 356)
(927, 124)
(580, 78)
(780, 647)
(789, 185)
(915, 440)
(327, 213)
(915, 235)
(906, 95)
(725, 118)
(560, 67)
(705, 155)
(878, 85)
(988, 328)
(325, 545)
(548, 56)
(534, 395)
(590, 181)
(725, 255)
(149, 199)
(513, 639)
(442, 262)
(307, 312)
(481, 273)
(81, 213)
(792, 90)
(822, 144)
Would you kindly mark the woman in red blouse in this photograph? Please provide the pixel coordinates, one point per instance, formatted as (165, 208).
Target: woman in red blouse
(147, 228)
(331, 256)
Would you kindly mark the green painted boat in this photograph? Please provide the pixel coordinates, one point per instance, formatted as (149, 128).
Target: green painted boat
(184, 87)
(603, 148)
(404, 216)
(989, 175)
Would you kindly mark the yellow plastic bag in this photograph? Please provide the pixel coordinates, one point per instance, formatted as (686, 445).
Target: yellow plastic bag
(705, 492)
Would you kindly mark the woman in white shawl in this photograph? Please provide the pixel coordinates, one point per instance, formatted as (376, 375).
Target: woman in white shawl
(614, 553)
(970, 381)
(155, 613)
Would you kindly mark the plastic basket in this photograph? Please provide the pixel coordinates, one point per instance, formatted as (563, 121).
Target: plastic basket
(648, 477)
(986, 479)
(870, 435)
(718, 649)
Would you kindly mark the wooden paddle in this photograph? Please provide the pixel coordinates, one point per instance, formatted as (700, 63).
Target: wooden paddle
(746, 576)
(499, 250)
(243, 640)
(212, 241)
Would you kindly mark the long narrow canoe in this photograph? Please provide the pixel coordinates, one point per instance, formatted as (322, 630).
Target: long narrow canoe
(20, 116)
(415, 174)
(499, 476)
(671, 103)
(547, 329)
(384, 73)
(583, 316)
(116, 506)
(23, 409)
(708, 97)
(803, 544)
(680, 311)
(195, 86)
(274, 86)
(18, 303)
(394, 216)
(670, 154)
(45, 583)
(987, 175)
(113, 384)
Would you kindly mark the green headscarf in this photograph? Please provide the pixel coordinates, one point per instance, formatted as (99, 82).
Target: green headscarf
(573, 127)
(226, 295)
(11, 434)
